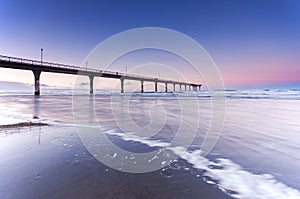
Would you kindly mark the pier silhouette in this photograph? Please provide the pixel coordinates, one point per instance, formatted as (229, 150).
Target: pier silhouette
(37, 67)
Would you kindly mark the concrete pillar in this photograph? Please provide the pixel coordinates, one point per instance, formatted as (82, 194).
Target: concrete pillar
(37, 74)
(174, 88)
(180, 87)
(142, 86)
(189, 87)
(185, 87)
(166, 87)
(155, 86)
(91, 84)
(122, 85)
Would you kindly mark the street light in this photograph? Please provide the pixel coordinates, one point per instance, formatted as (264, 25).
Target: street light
(86, 63)
(42, 50)
(126, 69)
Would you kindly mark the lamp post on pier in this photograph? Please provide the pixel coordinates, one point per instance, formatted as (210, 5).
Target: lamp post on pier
(42, 51)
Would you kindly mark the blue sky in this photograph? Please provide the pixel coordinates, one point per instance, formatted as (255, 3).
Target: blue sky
(252, 42)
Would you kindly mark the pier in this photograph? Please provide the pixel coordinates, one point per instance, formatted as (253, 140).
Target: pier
(37, 67)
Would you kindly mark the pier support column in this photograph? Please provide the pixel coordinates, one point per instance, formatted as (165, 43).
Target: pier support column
(189, 87)
(122, 85)
(142, 86)
(174, 88)
(185, 87)
(200, 87)
(37, 74)
(166, 87)
(91, 84)
(180, 87)
(155, 85)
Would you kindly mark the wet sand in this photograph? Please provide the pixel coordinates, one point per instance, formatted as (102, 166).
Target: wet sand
(51, 162)
(32, 124)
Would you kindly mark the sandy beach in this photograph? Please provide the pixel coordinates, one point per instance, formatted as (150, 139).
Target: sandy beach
(49, 148)
(51, 162)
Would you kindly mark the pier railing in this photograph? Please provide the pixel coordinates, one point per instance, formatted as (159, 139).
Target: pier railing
(82, 69)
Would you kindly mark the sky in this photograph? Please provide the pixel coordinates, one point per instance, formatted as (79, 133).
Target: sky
(253, 42)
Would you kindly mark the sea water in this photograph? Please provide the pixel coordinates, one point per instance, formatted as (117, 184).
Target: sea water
(256, 156)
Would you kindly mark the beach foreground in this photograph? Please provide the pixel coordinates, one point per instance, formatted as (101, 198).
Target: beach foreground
(51, 162)
(66, 146)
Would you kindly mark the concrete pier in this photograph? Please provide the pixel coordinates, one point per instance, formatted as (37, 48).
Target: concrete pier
(37, 67)
(122, 85)
(142, 86)
(37, 74)
(91, 84)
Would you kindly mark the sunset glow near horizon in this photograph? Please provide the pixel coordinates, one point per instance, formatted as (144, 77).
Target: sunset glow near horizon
(253, 43)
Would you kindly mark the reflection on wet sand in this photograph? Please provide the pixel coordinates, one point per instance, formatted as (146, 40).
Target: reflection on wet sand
(61, 167)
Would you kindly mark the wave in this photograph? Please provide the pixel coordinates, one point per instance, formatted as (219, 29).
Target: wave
(228, 176)
(229, 93)
(292, 94)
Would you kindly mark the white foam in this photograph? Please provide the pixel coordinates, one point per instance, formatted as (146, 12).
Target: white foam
(133, 137)
(5, 120)
(231, 176)
(9, 117)
(227, 175)
(258, 94)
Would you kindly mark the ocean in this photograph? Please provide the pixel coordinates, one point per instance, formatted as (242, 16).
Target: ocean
(132, 145)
